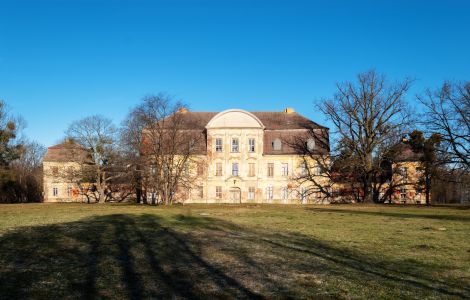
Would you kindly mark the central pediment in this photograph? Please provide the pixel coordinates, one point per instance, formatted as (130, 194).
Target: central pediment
(235, 118)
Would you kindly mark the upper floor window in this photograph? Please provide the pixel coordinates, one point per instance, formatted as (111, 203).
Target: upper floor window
(251, 145)
(310, 144)
(270, 169)
(218, 145)
(277, 144)
(317, 170)
(404, 172)
(251, 169)
(303, 169)
(285, 169)
(234, 145)
(55, 171)
(200, 169)
(218, 169)
(234, 169)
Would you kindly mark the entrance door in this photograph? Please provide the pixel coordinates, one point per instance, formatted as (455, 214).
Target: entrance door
(235, 195)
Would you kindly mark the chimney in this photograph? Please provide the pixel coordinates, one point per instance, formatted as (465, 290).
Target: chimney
(183, 110)
(289, 110)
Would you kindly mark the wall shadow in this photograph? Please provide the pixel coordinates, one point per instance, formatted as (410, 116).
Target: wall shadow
(129, 256)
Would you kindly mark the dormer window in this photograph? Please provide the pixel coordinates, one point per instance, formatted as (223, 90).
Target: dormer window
(310, 144)
(277, 144)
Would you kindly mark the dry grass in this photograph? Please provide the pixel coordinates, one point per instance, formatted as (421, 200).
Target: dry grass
(131, 251)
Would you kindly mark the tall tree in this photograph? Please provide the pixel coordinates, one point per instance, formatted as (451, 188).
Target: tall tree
(10, 149)
(369, 117)
(448, 114)
(98, 135)
(168, 147)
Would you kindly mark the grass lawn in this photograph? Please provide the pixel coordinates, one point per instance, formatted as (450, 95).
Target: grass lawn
(248, 251)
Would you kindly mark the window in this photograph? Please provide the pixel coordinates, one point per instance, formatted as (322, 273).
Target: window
(403, 194)
(269, 192)
(200, 169)
(69, 192)
(55, 171)
(218, 145)
(270, 169)
(285, 193)
(251, 169)
(404, 172)
(153, 170)
(55, 192)
(303, 169)
(200, 192)
(310, 144)
(285, 169)
(218, 192)
(251, 145)
(251, 193)
(234, 145)
(277, 144)
(234, 169)
(218, 169)
(317, 170)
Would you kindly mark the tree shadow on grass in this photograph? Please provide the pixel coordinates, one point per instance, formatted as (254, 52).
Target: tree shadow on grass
(396, 214)
(190, 257)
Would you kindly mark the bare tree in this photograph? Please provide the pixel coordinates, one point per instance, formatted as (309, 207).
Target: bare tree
(448, 114)
(169, 148)
(369, 117)
(312, 144)
(98, 135)
(131, 146)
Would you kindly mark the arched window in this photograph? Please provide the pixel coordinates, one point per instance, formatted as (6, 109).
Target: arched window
(310, 144)
(277, 144)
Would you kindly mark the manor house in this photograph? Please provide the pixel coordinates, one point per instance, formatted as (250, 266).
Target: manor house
(247, 158)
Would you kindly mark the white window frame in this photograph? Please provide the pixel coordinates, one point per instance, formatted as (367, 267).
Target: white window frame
(285, 193)
(270, 173)
(218, 192)
(235, 145)
(285, 169)
(218, 145)
(55, 192)
(217, 173)
(251, 167)
(251, 193)
(269, 192)
(235, 169)
(251, 145)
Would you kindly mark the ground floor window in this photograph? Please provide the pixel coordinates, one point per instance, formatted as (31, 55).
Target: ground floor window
(285, 193)
(218, 192)
(200, 192)
(69, 192)
(403, 194)
(251, 193)
(55, 192)
(269, 193)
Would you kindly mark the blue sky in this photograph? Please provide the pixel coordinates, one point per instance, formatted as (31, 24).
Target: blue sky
(63, 60)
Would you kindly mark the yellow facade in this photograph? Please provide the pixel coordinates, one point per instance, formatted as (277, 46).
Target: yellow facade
(238, 171)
